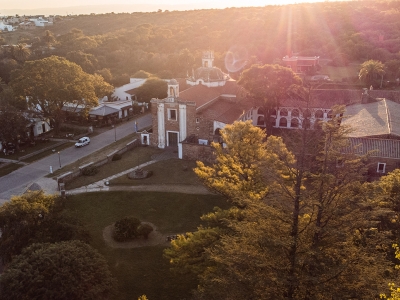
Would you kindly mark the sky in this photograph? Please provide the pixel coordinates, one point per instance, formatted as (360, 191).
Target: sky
(22, 7)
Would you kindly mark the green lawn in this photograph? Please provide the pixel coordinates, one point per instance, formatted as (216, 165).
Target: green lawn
(143, 270)
(337, 73)
(129, 160)
(171, 171)
(6, 169)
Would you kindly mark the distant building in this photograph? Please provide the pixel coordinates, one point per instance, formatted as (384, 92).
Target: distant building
(301, 64)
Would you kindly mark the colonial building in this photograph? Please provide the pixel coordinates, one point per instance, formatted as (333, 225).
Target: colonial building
(191, 119)
(376, 132)
(301, 64)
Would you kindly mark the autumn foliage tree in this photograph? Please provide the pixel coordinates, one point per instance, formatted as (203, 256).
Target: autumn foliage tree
(298, 227)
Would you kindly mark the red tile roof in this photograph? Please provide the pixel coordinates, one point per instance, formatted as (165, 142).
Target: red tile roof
(201, 94)
(225, 111)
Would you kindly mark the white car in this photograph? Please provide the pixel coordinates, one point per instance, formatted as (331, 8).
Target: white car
(82, 142)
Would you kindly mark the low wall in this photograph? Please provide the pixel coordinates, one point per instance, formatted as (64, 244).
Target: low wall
(67, 177)
(42, 150)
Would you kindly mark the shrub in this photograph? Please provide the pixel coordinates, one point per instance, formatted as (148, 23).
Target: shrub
(144, 230)
(90, 171)
(116, 157)
(126, 229)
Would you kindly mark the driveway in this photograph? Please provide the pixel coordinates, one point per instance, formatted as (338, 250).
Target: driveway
(18, 181)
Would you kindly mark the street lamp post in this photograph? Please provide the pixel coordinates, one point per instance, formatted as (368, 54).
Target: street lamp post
(115, 133)
(59, 158)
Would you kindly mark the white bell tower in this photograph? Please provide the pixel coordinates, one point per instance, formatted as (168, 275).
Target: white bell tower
(208, 59)
(173, 90)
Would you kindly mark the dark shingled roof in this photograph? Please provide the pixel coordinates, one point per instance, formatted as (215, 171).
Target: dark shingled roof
(377, 118)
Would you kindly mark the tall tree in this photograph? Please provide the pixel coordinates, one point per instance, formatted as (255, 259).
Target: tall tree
(153, 88)
(309, 237)
(52, 82)
(267, 85)
(13, 125)
(371, 72)
(20, 52)
(65, 270)
(35, 218)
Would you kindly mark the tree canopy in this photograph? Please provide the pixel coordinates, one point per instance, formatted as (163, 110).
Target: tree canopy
(65, 270)
(35, 218)
(371, 72)
(153, 88)
(13, 125)
(310, 234)
(267, 85)
(53, 82)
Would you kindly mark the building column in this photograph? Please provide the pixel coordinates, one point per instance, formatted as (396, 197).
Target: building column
(161, 126)
(182, 122)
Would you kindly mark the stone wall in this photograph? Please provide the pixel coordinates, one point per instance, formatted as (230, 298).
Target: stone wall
(197, 152)
(67, 177)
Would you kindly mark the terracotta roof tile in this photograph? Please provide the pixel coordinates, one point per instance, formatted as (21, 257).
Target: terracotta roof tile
(385, 148)
(225, 111)
(201, 94)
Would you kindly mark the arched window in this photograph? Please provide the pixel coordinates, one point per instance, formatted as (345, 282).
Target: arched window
(284, 112)
(306, 114)
(319, 114)
(273, 112)
(260, 111)
(295, 113)
(294, 123)
(282, 122)
(306, 124)
(330, 114)
(260, 121)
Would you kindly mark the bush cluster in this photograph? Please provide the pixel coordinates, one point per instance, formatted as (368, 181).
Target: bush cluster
(90, 171)
(129, 228)
(116, 157)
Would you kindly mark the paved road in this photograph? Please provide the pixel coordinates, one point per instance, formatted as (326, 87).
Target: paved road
(18, 181)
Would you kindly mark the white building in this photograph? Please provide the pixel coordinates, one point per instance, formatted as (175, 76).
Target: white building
(4, 27)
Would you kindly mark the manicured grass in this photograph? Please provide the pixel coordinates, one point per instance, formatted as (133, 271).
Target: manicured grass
(171, 171)
(48, 152)
(28, 149)
(4, 170)
(143, 270)
(129, 160)
(337, 73)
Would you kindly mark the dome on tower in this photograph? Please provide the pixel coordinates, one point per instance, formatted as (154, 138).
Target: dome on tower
(209, 74)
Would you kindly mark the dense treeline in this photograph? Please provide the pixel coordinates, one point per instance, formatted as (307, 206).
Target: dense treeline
(118, 45)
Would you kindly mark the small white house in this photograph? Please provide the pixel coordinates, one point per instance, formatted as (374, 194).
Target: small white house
(122, 92)
(4, 27)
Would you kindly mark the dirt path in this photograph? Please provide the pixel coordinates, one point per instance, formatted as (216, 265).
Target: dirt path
(155, 238)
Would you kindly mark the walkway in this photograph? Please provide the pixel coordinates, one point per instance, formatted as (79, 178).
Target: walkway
(102, 185)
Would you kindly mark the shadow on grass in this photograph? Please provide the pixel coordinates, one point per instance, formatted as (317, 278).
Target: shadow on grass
(171, 171)
(144, 270)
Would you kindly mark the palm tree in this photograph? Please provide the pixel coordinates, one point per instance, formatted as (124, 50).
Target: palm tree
(370, 71)
(48, 38)
(20, 52)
